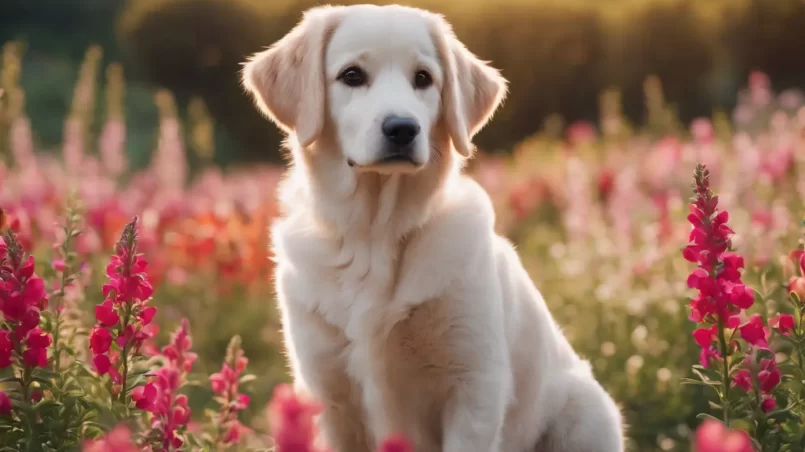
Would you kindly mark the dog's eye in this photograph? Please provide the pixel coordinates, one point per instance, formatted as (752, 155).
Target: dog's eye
(422, 80)
(353, 76)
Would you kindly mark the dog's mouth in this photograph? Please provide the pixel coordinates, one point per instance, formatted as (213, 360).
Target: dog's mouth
(397, 158)
(393, 159)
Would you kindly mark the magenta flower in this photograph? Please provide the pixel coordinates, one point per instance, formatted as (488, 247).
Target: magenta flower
(5, 403)
(292, 421)
(784, 323)
(754, 333)
(106, 315)
(768, 403)
(226, 384)
(145, 396)
(234, 432)
(36, 342)
(127, 273)
(6, 347)
(170, 410)
(768, 377)
(123, 316)
(118, 440)
(743, 379)
(722, 295)
(713, 436)
(100, 339)
(396, 443)
(22, 298)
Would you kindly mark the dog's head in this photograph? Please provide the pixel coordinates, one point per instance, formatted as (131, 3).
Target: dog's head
(381, 79)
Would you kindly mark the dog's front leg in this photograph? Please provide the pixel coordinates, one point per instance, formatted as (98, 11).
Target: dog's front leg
(316, 352)
(482, 386)
(475, 413)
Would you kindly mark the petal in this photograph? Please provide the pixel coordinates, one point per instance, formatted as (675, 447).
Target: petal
(703, 337)
(147, 315)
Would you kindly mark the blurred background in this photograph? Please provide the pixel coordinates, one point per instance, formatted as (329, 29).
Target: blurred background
(134, 108)
(559, 55)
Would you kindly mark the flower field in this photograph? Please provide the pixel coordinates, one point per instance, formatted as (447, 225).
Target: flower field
(137, 304)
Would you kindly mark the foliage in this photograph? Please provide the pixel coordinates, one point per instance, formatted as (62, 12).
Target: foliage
(575, 50)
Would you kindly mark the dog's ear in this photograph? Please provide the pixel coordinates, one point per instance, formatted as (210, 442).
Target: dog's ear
(472, 89)
(287, 80)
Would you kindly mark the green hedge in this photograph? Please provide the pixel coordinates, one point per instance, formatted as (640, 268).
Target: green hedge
(558, 55)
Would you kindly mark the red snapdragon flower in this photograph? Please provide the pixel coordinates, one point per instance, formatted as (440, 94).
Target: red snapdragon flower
(117, 440)
(100, 339)
(768, 377)
(5, 403)
(178, 351)
(291, 420)
(22, 298)
(128, 277)
(754, 333)
(293, 428)
(144, 397)
(713, 436)
(226, 384)
(722, 295)
(6, 347)
(706, 337)
(796, 284)
(170, 411)
(124, 315)
(396, 443)
(106, 315)
(784, 323)
(36, 353)
(768, 403)
(717, 277)
(234, 432)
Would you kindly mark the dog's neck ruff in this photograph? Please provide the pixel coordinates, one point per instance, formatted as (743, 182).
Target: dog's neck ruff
(347, 203)
(373, 205)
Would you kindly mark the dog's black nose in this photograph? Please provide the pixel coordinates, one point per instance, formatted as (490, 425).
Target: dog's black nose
(400, 131)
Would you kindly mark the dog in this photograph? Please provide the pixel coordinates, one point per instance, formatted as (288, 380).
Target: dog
(403, 312)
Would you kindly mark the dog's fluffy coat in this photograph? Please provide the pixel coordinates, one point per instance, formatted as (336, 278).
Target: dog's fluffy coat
(402, 310)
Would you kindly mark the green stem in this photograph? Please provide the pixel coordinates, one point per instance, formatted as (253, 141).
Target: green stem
(726, 374)
(124, 356)
(26, 384)
(56, 351)
(798, 337)
(65, 248)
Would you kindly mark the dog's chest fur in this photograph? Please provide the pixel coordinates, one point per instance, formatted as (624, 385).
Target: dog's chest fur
(349, 283)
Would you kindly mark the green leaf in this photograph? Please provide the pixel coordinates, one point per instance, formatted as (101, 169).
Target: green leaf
(763, 354)
(194, 382)
(46, 373)
(691, 381)
(714, 405)
(707, 374)
(703, 416)
(789, 340)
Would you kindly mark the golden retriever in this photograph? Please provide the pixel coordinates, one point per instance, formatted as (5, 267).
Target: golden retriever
(402, 310)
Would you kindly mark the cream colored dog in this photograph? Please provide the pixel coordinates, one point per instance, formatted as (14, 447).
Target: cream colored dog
(403, 311)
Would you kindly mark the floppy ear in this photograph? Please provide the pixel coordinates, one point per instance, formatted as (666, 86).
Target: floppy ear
(287, 80)
(472, 90)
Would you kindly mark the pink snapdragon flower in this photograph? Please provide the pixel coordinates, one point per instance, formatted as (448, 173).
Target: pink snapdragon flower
(722, 295)
(123, 318)
(170, 411)
(117, 440)
(713, 436)
(22, 298)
